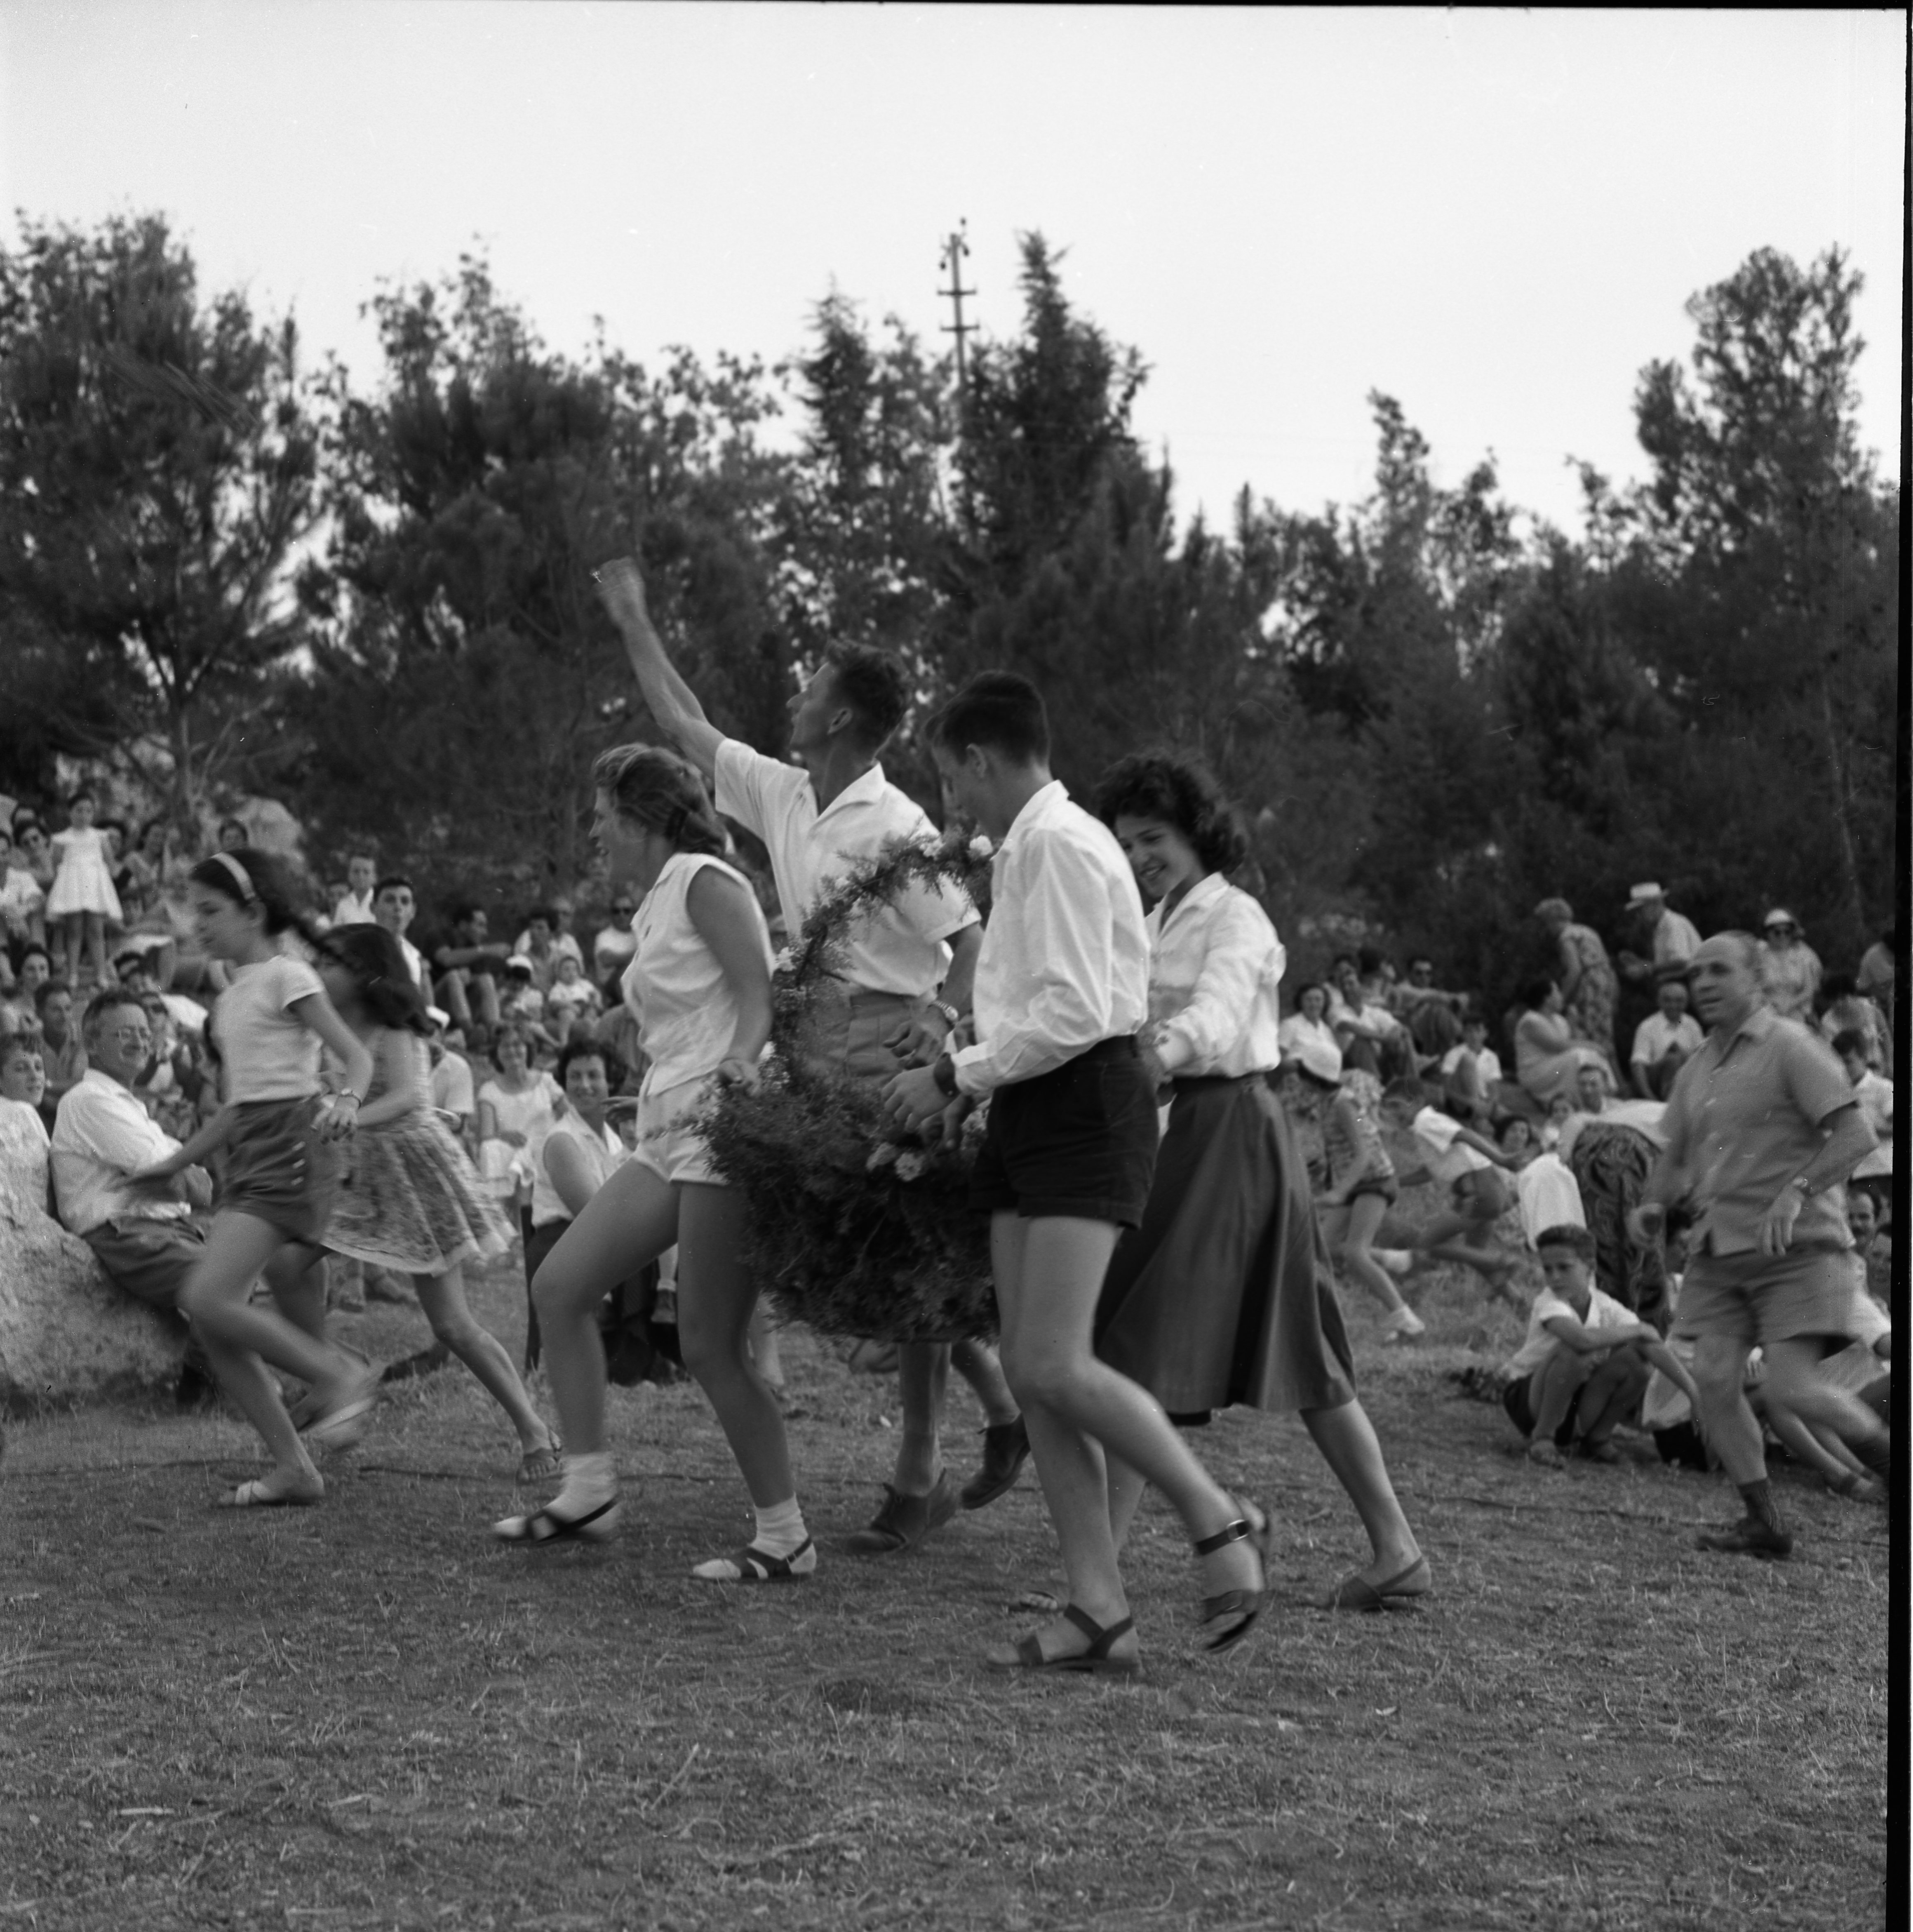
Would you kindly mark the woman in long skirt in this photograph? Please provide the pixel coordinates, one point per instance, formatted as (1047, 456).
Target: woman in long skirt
(1224, 1294)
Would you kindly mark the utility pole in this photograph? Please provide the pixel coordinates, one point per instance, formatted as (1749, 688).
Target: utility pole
(955, 251)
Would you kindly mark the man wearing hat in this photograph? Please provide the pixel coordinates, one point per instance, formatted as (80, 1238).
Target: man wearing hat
(1672, 940)
(1789, 967)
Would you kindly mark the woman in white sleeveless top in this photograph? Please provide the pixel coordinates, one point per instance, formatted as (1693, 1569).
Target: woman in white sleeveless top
(698, 984)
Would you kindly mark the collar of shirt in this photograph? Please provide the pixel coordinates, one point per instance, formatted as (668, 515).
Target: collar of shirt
(1040, 806)
(1205, 891)
(1757, 1025)
(866, 788)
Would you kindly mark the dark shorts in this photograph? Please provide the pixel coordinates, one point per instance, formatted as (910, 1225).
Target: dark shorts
(1079, 1140)
(279, 1170)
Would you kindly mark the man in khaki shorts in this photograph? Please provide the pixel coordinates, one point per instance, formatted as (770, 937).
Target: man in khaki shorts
(904, 985)
(1762, 1130)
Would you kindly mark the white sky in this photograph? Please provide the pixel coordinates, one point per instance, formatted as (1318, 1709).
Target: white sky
(1495, 216)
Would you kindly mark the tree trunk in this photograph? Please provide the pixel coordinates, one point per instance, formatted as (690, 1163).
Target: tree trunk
(1849, 860)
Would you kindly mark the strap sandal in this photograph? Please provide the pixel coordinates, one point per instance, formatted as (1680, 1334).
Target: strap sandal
(256, 1496)
(1251, 1527)
(1398, 1592)
(547, 1525)
(1096, 1660)
(750, 1565)
(542, 1465)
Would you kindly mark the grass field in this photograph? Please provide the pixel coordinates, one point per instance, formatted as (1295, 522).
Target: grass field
(369, 1713)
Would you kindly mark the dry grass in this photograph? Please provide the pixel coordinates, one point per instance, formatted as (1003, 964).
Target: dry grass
(369, 1714)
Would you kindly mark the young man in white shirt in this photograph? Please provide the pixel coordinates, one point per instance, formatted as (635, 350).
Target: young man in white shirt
(905, 976)
(1062, 988)
(144, 1236)
(394, 906)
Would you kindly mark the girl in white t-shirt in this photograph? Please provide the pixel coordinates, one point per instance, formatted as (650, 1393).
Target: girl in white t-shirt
(700, 984)
(409, 1199)
(276, 1191)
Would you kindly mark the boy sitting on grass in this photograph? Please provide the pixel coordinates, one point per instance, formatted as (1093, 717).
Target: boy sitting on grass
(1467, 1161)
(1585, 1365)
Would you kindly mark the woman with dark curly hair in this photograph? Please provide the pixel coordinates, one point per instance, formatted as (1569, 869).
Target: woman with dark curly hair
(1224, 1294)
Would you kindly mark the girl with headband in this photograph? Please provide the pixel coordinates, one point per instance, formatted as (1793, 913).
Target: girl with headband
(279, 1176)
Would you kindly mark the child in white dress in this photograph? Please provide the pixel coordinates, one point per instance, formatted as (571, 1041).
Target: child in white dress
(83, 899)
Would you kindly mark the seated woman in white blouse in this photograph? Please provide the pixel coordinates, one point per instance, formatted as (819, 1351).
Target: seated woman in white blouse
(1224, 1294)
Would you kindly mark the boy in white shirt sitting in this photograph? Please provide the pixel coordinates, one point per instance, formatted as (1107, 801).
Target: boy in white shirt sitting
(1584, 1364)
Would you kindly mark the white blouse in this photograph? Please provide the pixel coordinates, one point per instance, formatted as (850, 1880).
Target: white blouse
(674, 984)
(1065, 959)
(1215, 965)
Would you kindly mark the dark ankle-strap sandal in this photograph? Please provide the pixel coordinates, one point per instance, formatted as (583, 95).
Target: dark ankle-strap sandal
(1252, 1527)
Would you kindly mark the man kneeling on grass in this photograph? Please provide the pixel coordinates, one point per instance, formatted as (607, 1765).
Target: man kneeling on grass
(1585, 1362)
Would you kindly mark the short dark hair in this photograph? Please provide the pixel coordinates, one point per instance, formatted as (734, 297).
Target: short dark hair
(590, 1049)
(999, 710)
(464, 909)
(1848, 1039)
(1180, 792)
(32, 946)
(1534, 992)
(873, 684)
(103, 1002)
(124, 963)
(545, 913)
(392, 879)
(43, 994)
(1408, 1093)
(1567, 1234)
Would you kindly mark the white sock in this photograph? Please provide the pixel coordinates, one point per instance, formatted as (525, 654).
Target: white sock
(780, 1532)
(589, 1480)
(780, 1529)
(1397, 1261)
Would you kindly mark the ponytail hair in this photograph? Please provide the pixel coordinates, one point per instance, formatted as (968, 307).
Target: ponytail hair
(249, 877)
(379, 974)
(657, 789)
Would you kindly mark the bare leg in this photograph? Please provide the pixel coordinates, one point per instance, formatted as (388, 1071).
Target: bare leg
(1365, 1213)
(1793, 1378)
(923, 1369)
(1127, 1488)
(1049, 1273)
(632, 1220)
(765, 1350)
(95, 927)
(1829, 1458)
(1720, 1366)
(1349, 1446)
(976, 1362)
(716, 1294)
(1609, 1393)
(1556, 1388)
(442, 1298)
(296, 1275)
(235, 1336)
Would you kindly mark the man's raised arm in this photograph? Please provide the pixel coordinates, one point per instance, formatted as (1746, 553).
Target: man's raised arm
(672, 702)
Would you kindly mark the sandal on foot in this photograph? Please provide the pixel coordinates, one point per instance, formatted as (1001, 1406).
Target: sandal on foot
(1251, 1527)
(758, 1566)
(1355, 1592)
(547, 1525)
(256, 1496)
(1095, 1660)
(542, 1465)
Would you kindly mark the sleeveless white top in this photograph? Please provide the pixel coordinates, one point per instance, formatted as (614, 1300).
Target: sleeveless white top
(686, 1013)
(603, 1152)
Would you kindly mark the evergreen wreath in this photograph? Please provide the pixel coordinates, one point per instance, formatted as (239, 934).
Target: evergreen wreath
(850, 1229)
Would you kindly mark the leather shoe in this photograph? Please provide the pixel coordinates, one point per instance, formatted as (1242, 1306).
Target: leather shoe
(1005, 1449)
(903, 1521)
(1749, 1537)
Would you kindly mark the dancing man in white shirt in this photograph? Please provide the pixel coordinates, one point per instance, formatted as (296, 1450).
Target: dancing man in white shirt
(906, 979)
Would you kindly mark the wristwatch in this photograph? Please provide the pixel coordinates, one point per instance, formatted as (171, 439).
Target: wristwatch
(950, 1013)
(1805, 1186)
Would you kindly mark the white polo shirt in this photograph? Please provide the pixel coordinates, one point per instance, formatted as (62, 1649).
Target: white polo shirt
(101, 1134)
(901, 949)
